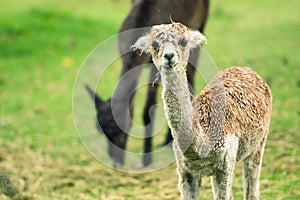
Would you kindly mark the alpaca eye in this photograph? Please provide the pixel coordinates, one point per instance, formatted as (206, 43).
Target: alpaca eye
(182, 42)
(155, 45)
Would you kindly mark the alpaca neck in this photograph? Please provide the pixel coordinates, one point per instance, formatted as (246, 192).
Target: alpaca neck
(178, 107)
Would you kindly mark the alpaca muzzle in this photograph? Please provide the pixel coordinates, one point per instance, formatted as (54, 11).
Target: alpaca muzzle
(169, 61)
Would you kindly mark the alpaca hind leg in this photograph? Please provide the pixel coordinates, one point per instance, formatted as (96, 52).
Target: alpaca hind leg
(189, 186)
(251, 172)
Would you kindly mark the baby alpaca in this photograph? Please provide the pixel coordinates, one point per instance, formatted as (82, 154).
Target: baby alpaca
(226, 123)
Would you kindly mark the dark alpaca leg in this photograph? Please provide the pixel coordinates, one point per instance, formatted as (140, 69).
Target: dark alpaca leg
(148, 115)
(169, 137)
(191, 68)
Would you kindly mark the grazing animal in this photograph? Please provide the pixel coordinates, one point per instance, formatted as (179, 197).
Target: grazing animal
(144, 13)
(226, 123)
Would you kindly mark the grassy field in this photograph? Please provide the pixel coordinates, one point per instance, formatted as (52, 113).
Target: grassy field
(42, 45)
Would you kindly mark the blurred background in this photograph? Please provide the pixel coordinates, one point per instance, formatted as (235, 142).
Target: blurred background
(42, 45)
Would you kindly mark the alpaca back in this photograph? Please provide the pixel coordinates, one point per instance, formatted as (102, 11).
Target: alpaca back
(236, 101)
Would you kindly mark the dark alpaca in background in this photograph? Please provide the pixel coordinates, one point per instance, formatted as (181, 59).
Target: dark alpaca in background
(144, 13)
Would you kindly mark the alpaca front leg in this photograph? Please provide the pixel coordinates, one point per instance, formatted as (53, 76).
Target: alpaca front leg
(222, 181)
(213, 180)
(189, 186)
(223, 186)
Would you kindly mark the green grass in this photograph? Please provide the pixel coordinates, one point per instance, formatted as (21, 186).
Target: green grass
(42, 45)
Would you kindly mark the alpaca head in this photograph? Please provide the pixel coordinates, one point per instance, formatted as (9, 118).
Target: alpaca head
(116, 138)
(169, 45)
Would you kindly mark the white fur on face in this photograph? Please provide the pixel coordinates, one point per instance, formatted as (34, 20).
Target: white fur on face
(170, 55)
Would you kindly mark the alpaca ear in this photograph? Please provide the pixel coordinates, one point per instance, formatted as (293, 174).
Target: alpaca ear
(197, 39)
(142, 44)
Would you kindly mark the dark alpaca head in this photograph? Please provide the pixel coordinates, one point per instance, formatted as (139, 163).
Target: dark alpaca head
(106, 124)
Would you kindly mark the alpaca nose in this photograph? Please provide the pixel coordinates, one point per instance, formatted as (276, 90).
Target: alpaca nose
(168, 56)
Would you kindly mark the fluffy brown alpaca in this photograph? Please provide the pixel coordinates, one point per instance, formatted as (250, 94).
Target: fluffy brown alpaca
(226, 123)
(144, 13)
